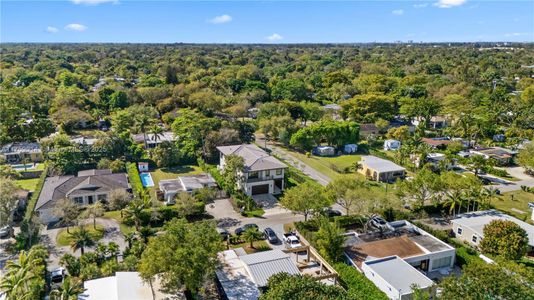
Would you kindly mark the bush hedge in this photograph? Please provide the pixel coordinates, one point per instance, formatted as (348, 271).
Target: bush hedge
(356, 284)
(35, 196)
(135, 180)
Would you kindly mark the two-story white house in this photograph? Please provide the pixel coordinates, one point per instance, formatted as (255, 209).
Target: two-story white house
(263, 173)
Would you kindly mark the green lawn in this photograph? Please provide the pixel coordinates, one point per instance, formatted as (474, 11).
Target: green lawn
(63, 237)
(116, 215)
(259, 246)
(27, 184)
(520, 202)
(174, 172)
(327, 165)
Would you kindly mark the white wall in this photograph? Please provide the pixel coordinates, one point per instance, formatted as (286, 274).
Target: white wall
(380, 283)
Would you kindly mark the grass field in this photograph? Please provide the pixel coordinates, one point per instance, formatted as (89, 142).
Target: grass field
(27, 184)
(326, 165)
(518, 200)
(64, 238)
(116, 215)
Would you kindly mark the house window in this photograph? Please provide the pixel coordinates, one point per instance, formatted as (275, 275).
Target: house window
(279, 172)
(253, 175)
(102, 197)
(441, 262)
(78, 200)
(267, 173)
(474, 239)
(459, 231)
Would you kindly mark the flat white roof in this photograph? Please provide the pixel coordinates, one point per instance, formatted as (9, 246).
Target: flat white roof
(477, 220)
(122, 286)
(398, 273)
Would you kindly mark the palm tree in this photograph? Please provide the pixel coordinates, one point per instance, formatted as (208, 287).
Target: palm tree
(252, 234)
(130, 238)
(69, 290)
(142, 122)
(146, 232)
(15, 284)
(94, 211)
(81, 239)
(489, 194)
(157, 132)
(134, 212)
(113, 250)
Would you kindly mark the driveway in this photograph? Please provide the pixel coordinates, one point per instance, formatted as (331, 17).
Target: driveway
(506, 185)
(111, 234)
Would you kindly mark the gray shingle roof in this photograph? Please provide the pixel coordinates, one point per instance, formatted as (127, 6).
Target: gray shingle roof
(59, 187)
(255, 158)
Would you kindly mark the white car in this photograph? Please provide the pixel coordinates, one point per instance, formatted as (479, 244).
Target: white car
(291, 241)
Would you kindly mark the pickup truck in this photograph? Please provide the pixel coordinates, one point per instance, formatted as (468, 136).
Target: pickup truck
(291, 240)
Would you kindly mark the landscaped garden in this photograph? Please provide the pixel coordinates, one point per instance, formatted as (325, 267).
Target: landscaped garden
(64, 238)
(28, 184)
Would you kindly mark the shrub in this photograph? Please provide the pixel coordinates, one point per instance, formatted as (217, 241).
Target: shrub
(135, 180)
(356, 284)
(35, 196)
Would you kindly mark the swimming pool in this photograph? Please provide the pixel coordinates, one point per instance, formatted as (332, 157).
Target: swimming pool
(146, 179)
(20, 167)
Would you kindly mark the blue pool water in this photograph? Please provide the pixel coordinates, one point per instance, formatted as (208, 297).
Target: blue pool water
(146, 179)
(21, 167)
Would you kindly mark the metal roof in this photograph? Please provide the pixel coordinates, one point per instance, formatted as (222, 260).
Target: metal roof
(122, 286)
(380, 165)
(398, 273)
(263, 265)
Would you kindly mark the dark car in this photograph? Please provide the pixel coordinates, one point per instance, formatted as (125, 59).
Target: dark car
(270, 235)
(242, 229)
(57, 275)
(329, 212)
(6, 231)
(378, 222)
(223, 232)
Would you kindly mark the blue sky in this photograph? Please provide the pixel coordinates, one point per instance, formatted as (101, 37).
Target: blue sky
(265, 22)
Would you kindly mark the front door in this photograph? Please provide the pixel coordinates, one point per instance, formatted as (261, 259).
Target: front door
(424, 265)
(90, 199)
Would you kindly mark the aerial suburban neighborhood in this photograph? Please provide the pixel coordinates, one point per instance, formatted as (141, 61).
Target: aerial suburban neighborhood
(306, 150)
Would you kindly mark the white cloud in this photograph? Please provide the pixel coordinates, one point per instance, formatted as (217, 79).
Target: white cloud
(398, 12)
(422, 5)
(75, 27)
(51, 29)
(275, 37)
(449, 3)
(220, 19)
(93, 2)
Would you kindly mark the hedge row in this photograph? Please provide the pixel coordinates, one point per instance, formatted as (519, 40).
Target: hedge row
(35, 196)
(357, 285)
(135, 180)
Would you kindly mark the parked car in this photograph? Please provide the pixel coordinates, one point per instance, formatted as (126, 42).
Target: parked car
(270, 235)
(378, 222)
(291, 240)
(330, 212)
(57, 275)
(223, 232)
(6, 231)
(242, 229)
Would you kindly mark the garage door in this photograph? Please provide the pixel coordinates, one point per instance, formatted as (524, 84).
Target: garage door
(260, 189)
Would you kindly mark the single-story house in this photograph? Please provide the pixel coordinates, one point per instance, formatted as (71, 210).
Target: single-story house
(124, 286)
(152, 140)
(14, 153)
(262, 173)
(171, 187)
(432, 158)
(395, 277)
(368, 129)
(435, 143)
(86, 188)
(82, 140)
(379, 169)
(350, 148)
(436, 122)
(392, 145)
(324, 151)
(469, 227)
(499, 137)
(501, 155)
(398, 255)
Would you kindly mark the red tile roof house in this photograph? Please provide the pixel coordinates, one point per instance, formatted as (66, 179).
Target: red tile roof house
(85, 189)
(436, 142)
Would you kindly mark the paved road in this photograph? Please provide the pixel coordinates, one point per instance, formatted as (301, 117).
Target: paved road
(506, 185)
